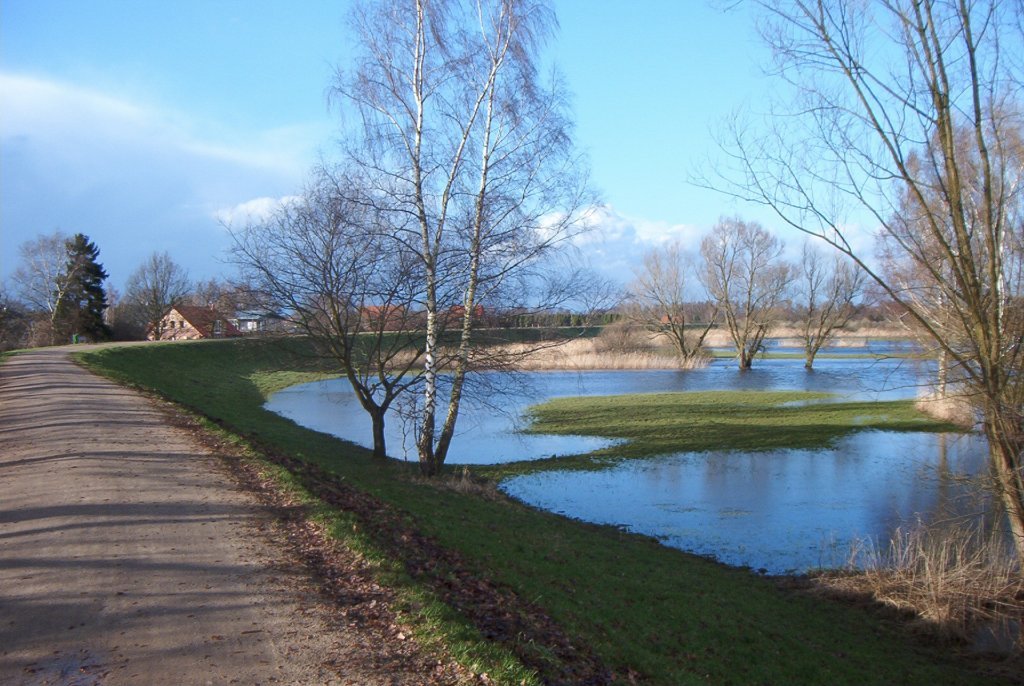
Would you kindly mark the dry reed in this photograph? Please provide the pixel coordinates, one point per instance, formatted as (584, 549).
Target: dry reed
(962, 582)
(585, 354)
(463, 481)
(956, 409)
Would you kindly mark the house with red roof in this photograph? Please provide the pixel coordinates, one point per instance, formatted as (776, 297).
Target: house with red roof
(190, 323)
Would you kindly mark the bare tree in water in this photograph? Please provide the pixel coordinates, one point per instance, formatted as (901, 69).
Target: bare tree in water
(745, 274)
(827, 293)
(664, 299)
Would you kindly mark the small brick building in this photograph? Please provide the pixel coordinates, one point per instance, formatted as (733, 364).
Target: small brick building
(188, 323)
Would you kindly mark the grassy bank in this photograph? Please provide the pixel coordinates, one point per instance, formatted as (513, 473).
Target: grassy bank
(649, 614)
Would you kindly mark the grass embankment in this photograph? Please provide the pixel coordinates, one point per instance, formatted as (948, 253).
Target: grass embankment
(650, 614)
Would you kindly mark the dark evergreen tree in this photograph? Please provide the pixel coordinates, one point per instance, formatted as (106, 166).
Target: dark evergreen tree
(81, 306)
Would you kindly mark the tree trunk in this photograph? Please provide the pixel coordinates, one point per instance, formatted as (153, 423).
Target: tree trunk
(810, 352)
(1005, 450)
(379, 447)
(943, 373)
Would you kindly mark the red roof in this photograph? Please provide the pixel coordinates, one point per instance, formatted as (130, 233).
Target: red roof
(204, 318)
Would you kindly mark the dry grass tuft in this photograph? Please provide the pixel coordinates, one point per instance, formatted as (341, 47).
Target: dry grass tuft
(465, 482)
(964, 582)
(955, 409)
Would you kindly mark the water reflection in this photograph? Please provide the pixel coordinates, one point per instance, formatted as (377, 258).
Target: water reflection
(781, 510)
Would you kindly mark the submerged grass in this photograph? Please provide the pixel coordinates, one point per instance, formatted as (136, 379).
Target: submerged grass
(652, 615)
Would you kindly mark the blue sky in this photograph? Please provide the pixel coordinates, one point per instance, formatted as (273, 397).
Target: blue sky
(141, 122)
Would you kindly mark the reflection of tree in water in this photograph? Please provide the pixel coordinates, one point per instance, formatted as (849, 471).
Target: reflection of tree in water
(962, 504)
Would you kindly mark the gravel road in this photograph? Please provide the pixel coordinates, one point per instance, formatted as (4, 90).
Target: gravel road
(128, 555)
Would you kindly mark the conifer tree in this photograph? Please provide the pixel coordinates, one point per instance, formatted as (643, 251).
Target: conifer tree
(81, 306)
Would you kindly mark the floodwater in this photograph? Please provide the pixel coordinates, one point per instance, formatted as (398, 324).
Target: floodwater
(781, 511)
(487, 430)
(493, 414)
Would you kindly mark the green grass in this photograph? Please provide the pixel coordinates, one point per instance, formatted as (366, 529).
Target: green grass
(664, 423)
(648, 612)
(8, 354)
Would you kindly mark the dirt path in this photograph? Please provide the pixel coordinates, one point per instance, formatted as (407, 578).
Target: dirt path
(127, 555)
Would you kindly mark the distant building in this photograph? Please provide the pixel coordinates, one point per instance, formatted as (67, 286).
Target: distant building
(455, 314)
(249, 323)
(384, 317)
(188, 323)
(459, 311)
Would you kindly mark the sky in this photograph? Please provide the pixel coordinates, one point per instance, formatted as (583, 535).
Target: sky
(145, 124)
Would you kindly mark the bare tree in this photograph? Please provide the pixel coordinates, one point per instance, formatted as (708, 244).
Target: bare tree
(152, 289)
(828, 291)
(744, 273)
(663, 300)
(43, 277)
(213, 292)
(60, 278)
(319, 260)
(912, 104)
(469, 155)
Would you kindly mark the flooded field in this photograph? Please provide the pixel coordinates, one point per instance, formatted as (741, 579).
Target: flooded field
(782, 510)
(493, 414)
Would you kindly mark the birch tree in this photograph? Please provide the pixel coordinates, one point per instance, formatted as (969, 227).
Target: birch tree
(911, 103)
(42, 277)
(468, 153)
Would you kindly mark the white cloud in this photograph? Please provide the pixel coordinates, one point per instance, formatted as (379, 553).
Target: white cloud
(612, 226)
(254, 210)
(135, 177)
(32, 104)
(55, 112)
(616, 243)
